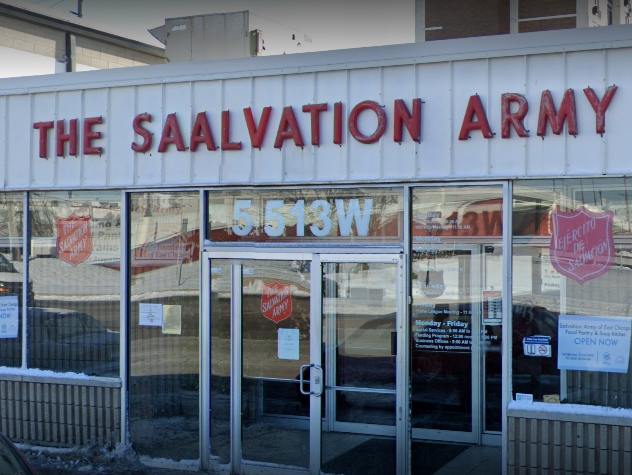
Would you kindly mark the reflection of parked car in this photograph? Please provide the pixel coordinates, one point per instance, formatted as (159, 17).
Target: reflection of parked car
(11, 459)
(11, 280)
(66, 340)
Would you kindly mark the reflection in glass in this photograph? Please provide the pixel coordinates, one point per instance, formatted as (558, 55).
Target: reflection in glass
(164, 324)
(276, 343)
(74, 295)
(359, 357)
(542, 293)
(11, 276)
(220, 359)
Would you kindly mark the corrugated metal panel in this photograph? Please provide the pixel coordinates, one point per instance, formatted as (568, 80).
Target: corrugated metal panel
(445, 87)
(547, 446)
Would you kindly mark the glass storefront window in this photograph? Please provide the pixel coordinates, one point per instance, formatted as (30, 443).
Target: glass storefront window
(307, 215)
(572, 309)
(74, 282)
(11, 278)
(164, 324)
(456, 306)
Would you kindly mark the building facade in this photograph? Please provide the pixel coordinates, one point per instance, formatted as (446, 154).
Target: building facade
(293, 263)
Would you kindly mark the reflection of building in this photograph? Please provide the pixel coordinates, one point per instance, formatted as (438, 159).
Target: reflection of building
(341, 247)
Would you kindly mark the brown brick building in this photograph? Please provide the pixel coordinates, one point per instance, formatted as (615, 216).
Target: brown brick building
(446, 19)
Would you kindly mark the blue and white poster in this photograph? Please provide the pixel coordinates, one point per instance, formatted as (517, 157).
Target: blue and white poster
(9, 318)
(594, 343)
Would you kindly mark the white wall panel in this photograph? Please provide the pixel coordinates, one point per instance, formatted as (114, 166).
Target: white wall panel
(176, 164)
(299, 162)
(237, 164)
(18, 149)
(398, 160)
(545, 157)
(268, 162)
(331, 160)
(149, 164)
(585, 153)
(94, 168)
(4, 144)
(120, 136)
(435, 151)
(364, 160)
(507, 156)
(470, 156)
(68, 173)
(207, 97)
(42, 170)
(619, 72)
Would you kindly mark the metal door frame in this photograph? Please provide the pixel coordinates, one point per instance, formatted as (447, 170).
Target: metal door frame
(239, 466)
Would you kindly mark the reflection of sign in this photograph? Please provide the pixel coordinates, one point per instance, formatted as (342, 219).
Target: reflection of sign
(74, 239)
(492, 306)
(537, 345)
(594, 343)
(276, 301)
(433, 284)
(168, 252)
(9, 317)
(582, 247)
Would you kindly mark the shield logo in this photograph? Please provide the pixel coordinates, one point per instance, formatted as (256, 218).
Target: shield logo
(582, 246)
(74, 239)
(276, 301)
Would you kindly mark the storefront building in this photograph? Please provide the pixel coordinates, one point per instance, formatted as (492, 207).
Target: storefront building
(292, 264)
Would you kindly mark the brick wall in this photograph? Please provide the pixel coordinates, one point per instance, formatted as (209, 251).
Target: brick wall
(540, 8)
(466, 18)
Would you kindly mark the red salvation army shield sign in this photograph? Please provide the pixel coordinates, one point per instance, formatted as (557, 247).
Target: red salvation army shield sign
(582, 246)
(74, 239)
(276, 301)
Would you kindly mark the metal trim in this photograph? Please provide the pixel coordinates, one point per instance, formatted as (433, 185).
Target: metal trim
(315, 350)
(506, 316)
(26, 254)
(126, 291)
(205, 363)
(236, 367)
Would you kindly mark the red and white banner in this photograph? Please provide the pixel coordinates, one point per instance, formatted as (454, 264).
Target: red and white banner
(276, 301)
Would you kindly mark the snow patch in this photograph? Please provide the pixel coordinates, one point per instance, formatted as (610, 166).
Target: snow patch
(573, 409)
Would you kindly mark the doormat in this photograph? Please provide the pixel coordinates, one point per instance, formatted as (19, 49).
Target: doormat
(377, 457)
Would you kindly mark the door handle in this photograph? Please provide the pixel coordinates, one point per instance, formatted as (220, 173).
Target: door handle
(318, 380)
(301, 380)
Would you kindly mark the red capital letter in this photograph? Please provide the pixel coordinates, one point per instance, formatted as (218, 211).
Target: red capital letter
(401, 115)
(89, 135)
(144, 133)
(315, 110)
(475, 108)
(171, 134)
(288, 129)
(381, 122)
(201, 133)
(338, 123)
(226, 143)
(43, 136)
(257, 134)
(557, 119)
(70, 137)
(514, 119)
(600, 107)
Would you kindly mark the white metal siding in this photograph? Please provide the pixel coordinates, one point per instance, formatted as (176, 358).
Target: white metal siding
(444, 86)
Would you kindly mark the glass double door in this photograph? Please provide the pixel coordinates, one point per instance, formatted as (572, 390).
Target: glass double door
(304, 363)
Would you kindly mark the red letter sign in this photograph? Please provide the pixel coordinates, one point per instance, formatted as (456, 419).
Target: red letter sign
(600, 107)
(475, 108)
(171, 134)
(381, 122)
(70, 137)
(315, 110)
(288, 129)
(514, 119)
(89, 136)
(548, 113)
(144, 133)
(412, 122)
(201, 133)
(257, 134)
(43, 136)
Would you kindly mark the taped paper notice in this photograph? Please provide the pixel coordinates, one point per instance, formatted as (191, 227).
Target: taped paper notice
(150, 315)
(288, 344)
(172, 319)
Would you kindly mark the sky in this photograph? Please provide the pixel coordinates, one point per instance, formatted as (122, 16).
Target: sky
(332, 24)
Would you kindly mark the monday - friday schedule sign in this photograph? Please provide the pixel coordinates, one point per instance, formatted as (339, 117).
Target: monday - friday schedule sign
(594, 343)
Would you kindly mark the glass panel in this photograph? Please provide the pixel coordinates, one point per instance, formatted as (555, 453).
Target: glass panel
(75, 286)
(220, 359)
(276, 333)
(11, 278)
(571, 279)
(164, 324)
(307, 215)
(359, 345)
(457, 289)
